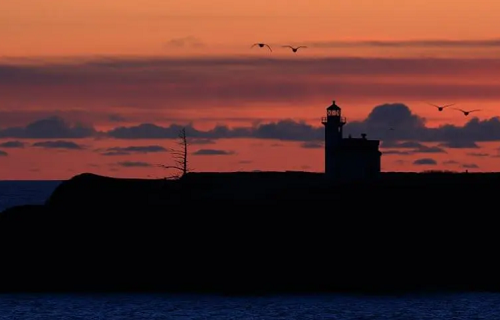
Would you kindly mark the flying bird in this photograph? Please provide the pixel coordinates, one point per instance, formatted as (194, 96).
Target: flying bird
(441, 108)
(466, 113)
(294, 49)
(262, 45)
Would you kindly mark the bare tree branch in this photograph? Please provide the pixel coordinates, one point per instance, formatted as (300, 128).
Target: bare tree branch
(180, 156)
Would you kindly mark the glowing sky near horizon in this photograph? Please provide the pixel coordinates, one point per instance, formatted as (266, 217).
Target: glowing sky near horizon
(109, 63)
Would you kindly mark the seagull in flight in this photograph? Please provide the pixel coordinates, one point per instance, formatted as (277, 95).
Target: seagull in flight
(262, 45)
(294, 49)
(441, 108)
(466, 113)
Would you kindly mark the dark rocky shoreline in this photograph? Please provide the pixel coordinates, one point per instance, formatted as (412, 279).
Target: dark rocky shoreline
(257, 233)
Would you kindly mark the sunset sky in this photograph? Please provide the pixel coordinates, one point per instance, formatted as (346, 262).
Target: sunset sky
(103, 86)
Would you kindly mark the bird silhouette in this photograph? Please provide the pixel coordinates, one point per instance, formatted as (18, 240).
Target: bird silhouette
(466, 113)
(294, 49)
(441, 108)
(262, 45)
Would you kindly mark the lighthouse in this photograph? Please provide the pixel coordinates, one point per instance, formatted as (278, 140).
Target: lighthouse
(351, 158)
(333, 122)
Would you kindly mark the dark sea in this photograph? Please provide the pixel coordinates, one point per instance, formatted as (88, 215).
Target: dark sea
(466, 306)
(338, 307)
(14, 193)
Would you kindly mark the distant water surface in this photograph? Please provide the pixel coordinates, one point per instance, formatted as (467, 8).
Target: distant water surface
(14, 193)
(338, 307)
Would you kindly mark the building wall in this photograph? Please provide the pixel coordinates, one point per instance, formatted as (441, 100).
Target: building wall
(333, 138)
(355, 165)
(347, 159)
(330, 162)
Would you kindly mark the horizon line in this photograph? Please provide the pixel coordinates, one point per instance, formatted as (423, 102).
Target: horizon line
(257, 171)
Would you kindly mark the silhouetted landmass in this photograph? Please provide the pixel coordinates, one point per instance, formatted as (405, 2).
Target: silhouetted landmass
(256, 233)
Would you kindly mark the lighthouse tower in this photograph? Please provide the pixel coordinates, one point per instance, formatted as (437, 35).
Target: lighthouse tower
(333, 122)
(348, 159)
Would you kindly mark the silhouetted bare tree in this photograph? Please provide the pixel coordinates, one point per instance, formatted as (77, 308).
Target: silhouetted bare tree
(180, 156)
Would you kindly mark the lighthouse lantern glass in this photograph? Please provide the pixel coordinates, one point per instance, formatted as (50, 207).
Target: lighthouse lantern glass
(333, 113)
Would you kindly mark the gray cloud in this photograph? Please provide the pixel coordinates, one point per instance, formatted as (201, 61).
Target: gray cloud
(58, 144)
(408, 127)
(425, 43)
(115, 153)
(461, 144)
(12, 144)
(411, 127)
(311, 145)
(450, 162)
(138, 149)
(425, 161)
(425, 149)
(478, 154)
(134, 164)
(470, 166)
(3, 153)
(49, 128)
(212, 152)
(397, 152)
(201, 141)
(416, 147)
(16, 115)
(282, 130)
(149, 131)
(124, 151)
(181, 83)
(401, 145)
(183, 42)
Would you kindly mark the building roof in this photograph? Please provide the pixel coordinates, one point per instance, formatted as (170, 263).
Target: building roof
(359, 144)
(334, 106)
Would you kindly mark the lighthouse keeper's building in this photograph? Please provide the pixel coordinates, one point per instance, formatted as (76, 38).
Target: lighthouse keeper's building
(348, 159)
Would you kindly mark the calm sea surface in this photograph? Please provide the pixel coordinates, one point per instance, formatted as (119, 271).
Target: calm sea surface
(136, 306)
(14, 193)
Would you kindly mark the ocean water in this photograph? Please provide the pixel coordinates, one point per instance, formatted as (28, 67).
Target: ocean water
(40, 306)
(14, 193)
(338, 307)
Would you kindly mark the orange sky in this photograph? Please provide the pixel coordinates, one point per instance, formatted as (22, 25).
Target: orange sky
(110, 63)
(53, 27)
